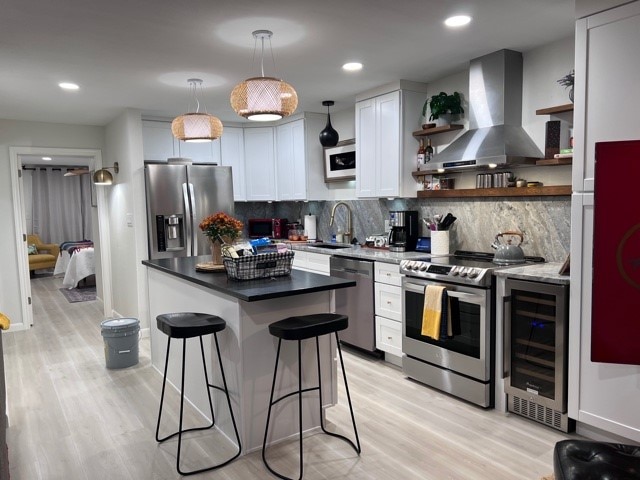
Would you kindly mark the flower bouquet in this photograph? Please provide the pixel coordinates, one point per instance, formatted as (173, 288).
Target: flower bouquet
(219, 228)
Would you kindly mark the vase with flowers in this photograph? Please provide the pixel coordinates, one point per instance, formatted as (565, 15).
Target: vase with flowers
(220, 228)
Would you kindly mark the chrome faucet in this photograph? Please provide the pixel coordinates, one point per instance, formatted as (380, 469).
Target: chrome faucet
(347, 234)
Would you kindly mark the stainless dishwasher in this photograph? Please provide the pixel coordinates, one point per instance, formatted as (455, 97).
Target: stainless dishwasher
(357, 303)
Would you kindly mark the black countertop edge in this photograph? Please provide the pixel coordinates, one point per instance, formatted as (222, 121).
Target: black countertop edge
(298, 283)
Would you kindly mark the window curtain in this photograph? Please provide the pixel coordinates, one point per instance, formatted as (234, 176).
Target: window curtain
(61, 206)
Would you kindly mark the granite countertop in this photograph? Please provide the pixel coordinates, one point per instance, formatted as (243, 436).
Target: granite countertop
(538, 272)
(298, 283)
(357, 251)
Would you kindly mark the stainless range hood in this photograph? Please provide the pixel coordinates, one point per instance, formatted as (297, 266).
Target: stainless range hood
(495, 136)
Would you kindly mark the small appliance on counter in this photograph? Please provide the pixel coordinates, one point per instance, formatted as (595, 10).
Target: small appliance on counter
(267, 227)
(376, 241)
(403, 234)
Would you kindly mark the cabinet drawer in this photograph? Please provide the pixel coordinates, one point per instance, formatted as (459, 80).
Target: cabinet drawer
(389, 336)
(388, 300)
(388, 273)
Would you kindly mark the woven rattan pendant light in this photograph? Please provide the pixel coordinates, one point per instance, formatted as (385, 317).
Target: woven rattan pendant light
(196, 126)
(263, 99)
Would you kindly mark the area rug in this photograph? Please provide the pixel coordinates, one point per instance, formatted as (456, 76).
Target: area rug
(79, 294)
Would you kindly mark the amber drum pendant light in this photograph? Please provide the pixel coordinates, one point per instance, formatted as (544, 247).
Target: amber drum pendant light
(196, 126)
(263, 99)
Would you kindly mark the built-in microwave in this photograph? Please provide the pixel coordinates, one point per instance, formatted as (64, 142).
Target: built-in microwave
(267, 227)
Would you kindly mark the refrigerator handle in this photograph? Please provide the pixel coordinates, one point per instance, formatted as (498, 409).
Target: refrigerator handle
(194, 222)
(188, 219)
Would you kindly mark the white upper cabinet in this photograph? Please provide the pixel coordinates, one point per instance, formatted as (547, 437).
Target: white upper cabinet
(259, 163)
(201, 152)
(385, 147)
(232, 155)
(291, 161)
(606, 106)
(365, 148)
(158, 143)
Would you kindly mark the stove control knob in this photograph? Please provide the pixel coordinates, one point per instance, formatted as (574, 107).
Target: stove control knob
(473, 273)
(454, 271)
(463, 272)
(403, 264)
(416, 266)
(424, 266)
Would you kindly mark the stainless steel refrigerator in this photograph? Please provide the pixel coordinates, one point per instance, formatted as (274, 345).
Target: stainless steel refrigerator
(179, 196)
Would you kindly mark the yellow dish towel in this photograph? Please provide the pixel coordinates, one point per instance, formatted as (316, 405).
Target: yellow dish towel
(431, 311)
(5, 323)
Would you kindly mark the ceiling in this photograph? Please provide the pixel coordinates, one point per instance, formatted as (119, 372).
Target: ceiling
(139, 54)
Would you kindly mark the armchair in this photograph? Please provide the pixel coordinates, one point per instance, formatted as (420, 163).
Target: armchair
(47, 255)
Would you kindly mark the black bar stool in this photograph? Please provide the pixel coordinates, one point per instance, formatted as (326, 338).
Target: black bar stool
(188, 325)
(300, 328)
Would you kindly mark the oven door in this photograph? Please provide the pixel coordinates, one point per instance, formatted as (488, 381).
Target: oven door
(468, 352)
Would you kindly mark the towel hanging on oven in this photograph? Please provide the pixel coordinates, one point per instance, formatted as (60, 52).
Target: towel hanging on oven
(436, 320)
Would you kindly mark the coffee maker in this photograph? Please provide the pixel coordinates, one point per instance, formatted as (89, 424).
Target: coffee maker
(403, 233)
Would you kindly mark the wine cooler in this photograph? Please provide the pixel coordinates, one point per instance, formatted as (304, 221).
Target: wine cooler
(535, 351)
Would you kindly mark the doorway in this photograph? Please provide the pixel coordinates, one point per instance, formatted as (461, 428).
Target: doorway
(92, 160)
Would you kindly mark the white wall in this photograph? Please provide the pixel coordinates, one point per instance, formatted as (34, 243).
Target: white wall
(29, 134)
(123, 144)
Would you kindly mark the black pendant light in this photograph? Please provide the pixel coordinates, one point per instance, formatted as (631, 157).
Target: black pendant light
(328, 137)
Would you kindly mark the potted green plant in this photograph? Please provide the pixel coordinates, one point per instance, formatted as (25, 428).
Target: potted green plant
(442, 104)
(567, 81)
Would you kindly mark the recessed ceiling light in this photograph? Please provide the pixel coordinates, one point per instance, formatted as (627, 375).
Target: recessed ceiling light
(68, 86)
(352, 66)
(46, 159)
(457, 21)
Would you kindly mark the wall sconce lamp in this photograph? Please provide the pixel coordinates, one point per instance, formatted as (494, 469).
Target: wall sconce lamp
(104, 176)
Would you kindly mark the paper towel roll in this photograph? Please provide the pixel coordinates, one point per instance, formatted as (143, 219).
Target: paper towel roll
(310, 227)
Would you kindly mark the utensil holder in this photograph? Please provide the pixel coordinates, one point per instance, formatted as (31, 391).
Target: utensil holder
(440, 242)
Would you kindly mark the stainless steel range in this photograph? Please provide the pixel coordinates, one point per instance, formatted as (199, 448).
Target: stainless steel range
(461, 364)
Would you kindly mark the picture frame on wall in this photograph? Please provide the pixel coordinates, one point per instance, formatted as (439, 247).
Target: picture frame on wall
(340, 162)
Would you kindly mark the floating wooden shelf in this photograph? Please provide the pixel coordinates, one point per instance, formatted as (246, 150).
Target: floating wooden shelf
(556, 190)
(552, 110)
(555, 161)
(432, 131)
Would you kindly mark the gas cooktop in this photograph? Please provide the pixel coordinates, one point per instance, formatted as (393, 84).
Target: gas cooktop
(464, 267)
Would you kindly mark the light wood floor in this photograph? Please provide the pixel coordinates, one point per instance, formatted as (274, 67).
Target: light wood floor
(71, 418)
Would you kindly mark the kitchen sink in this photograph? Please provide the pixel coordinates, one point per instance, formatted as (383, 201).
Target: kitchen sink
(330, 246)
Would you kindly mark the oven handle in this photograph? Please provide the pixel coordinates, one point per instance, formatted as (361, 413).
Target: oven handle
(468, 297)
(506, 336)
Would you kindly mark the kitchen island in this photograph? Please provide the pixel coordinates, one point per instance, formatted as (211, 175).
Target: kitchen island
(248, 350)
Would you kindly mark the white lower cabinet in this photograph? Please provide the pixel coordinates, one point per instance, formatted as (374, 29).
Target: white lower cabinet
(388, 310)
(389, 336)
(312, 262)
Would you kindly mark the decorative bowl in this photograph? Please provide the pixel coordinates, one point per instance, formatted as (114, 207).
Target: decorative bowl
(428, 125)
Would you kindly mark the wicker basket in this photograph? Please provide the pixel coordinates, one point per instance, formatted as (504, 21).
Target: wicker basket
(264, 265)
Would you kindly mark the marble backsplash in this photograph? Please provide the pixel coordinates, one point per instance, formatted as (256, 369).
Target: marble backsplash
(545, 221)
